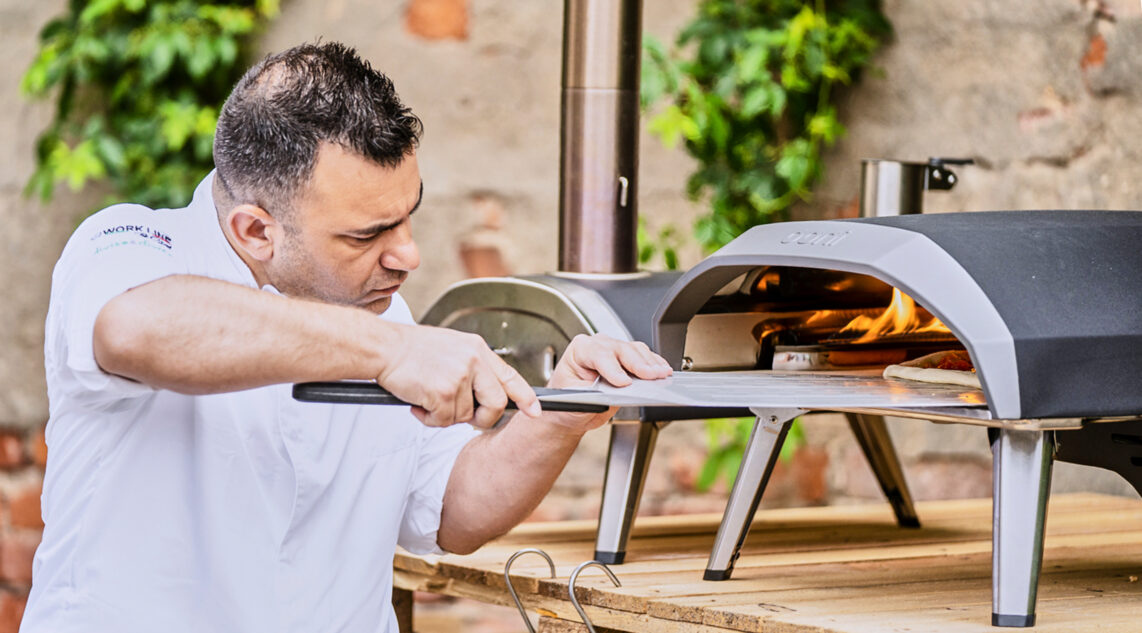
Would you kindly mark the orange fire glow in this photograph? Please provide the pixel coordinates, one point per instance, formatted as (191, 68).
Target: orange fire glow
(901, 317)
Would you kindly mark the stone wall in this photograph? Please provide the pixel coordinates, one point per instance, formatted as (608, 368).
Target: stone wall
(1041, 93)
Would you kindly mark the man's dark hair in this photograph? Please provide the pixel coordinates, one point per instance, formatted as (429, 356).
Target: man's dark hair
(283, 108)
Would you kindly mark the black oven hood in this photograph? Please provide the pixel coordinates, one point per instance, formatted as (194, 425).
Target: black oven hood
(1048, 303)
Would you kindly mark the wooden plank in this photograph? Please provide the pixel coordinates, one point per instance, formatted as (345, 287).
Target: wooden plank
(750, 613)
(849, 570)
(754, 566)
(549, 607)
(640, 592)
(792, 518)
(555, 625)
(487, 566)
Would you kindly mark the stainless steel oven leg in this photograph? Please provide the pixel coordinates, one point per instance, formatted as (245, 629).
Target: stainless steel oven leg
(1021, 463)
(761, 454)
(627, 462)
(872, 435)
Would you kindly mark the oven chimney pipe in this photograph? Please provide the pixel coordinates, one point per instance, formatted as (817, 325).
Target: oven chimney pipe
(891, 187)
(598, 166)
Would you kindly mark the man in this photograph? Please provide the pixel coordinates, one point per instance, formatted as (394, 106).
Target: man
(186, 490)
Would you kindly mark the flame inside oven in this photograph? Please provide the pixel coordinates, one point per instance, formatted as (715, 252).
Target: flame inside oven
(900, 317)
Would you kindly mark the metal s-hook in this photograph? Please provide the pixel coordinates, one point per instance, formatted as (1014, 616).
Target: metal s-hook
(511, 589)
(571, 588)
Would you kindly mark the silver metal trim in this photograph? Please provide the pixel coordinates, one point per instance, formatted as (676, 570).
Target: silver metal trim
(761, 454)
(1021, 462)
(628, 460)
(598, 313)
(466, 296)
(976, 416)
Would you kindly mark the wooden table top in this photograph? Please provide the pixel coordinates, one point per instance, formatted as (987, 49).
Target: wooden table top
(842, 569)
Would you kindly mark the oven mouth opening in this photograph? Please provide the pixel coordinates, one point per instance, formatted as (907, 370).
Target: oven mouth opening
(807, 319)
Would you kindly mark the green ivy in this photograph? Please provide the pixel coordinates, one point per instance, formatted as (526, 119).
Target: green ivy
(749, 91)
(137, 85)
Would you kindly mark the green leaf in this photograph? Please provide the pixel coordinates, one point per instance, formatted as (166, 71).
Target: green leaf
(97, 9)
(672, 124)
(710, 469)
(268, 8)
(159, 57)
(731, 465)
(795, 164)
(756, 100)
(110, 152)
(77, 165)
(177, 123)
(753, 63)
(825, 126)
(201, 60)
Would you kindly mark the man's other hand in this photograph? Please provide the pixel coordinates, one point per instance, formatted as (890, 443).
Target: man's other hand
(452, 377)
(588, 358)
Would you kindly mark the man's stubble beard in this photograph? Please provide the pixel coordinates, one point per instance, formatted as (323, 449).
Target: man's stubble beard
(293, 277)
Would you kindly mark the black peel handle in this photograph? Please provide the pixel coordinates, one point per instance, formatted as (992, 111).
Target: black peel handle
(372, 393)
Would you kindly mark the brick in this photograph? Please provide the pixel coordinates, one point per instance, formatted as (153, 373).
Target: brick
(11, 450)
(17, 549)
(24, 506)
(482, 260)
(1095, 53)
(38, 448)
(685, 465)
(950, 478)
(11, 610)
(438, 19)
(810, 465)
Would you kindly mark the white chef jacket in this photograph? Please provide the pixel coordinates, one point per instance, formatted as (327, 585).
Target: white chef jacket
(235, 512)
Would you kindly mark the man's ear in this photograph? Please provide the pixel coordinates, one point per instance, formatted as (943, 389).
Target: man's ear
(254, 230)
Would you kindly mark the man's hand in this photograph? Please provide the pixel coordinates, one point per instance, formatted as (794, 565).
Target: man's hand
(486, 495)
(453, 377)
(588, 358)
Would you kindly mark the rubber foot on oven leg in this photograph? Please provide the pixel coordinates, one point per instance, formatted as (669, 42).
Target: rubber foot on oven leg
(610, 558)
(1024, 621)
(717, 574)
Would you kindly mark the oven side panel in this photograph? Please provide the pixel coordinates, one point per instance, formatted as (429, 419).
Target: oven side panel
(1069, 286)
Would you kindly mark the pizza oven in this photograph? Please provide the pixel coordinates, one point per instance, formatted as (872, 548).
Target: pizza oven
(1046, 304)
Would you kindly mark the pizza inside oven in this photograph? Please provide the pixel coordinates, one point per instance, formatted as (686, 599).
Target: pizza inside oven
(949, 367)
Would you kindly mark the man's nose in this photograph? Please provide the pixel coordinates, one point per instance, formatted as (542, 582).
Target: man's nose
(403, 254)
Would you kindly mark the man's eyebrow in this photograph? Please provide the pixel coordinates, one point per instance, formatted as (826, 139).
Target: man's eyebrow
(377, 229)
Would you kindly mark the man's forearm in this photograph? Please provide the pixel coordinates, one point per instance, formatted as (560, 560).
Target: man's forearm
(197, 335)
(498, 480)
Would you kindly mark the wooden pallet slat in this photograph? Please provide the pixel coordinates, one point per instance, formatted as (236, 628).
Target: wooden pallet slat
(820, 570)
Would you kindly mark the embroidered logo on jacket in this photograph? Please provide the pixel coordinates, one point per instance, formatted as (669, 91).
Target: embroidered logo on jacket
(138, 234)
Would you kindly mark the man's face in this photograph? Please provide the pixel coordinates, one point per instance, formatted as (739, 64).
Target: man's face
(349, 240)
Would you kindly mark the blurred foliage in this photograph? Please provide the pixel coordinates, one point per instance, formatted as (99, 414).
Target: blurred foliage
(749, 92)
(138, 85)
(748, 89)
(664, 244)
(727, 439)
